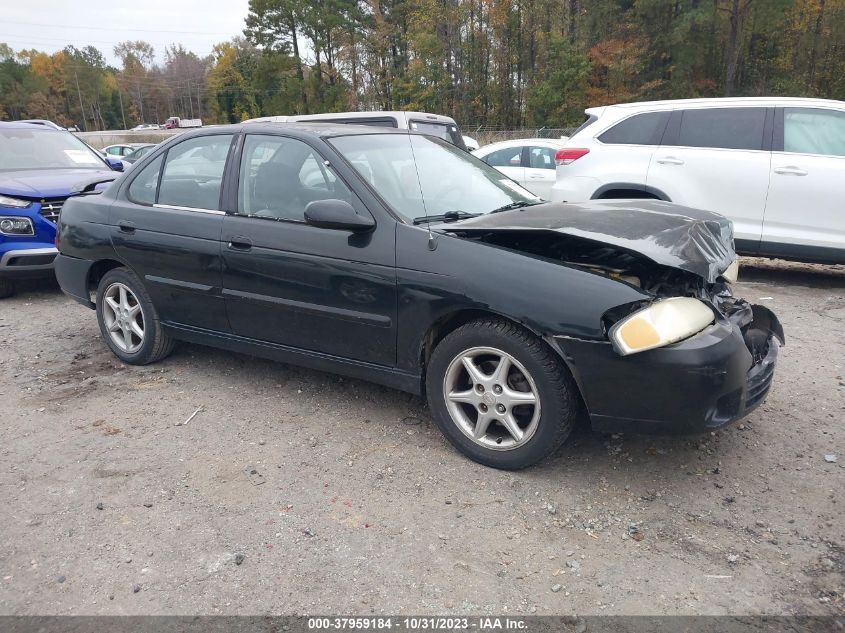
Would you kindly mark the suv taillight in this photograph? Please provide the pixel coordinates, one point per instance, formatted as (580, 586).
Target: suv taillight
(570, 154)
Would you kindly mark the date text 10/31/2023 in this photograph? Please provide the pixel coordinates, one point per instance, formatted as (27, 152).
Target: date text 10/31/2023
(421, 623)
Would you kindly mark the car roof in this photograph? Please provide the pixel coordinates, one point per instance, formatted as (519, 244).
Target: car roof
(403, 114)
(721, 101)
(312, 128)
(518, 142)
(22, 125)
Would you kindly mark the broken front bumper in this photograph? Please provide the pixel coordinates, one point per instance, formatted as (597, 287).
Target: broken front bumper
(709, 380)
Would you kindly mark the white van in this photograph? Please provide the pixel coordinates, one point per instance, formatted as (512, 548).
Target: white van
(432, 124)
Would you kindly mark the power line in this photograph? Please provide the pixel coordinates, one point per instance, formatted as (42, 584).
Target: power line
(67, 41)
(106, 28)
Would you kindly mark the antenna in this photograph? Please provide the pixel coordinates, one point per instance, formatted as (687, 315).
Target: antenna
(432, 239)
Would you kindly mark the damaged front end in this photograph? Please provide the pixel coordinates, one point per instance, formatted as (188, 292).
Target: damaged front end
(690, 356)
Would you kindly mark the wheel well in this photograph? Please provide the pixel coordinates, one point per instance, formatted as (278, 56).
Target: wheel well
(98, 271)
(443, 327)
(617, 194)
(451, 322)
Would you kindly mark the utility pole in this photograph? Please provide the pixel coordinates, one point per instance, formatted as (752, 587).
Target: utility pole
(81, 108)
(122, 116)
(199, 103)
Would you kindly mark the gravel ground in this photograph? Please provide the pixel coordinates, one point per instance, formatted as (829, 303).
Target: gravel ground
(293, 491)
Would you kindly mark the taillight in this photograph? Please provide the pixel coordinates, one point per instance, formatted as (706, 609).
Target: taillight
(569, 154)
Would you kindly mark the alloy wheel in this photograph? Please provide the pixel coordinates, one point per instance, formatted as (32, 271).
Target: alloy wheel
(492, 398)
(123, 318)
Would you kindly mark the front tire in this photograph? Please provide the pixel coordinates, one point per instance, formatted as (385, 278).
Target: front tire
(500, 395)
(7, 288)
(128, 319)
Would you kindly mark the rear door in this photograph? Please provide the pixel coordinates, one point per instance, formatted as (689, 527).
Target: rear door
(539, 170)
(287, 282)
(718, 159)
(619, 160)
(805, 217)
(166, 228)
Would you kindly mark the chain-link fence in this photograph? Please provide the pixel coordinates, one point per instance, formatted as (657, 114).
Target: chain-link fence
(486, 134)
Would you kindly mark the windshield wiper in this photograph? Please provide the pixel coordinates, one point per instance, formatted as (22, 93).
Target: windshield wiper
(449, 216)
(515, 205)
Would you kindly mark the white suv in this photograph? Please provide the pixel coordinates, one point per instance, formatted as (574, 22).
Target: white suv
(774, 166)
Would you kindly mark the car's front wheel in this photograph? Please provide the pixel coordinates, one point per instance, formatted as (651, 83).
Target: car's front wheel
(128, 319)
(500, 395)
(7, 288)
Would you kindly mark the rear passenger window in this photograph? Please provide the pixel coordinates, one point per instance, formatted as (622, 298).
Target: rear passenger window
(640, 129)
(508, 157)
(193, 172)
(143, 188)
(723, 128)
(814, 131)
(541, 158)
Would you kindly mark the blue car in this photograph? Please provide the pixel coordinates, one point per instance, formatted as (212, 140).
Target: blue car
(40, 168)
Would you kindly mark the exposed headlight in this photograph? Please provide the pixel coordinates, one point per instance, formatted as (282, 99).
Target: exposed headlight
(662, 323)
(15, 226)
(14, 203)
(731, 273)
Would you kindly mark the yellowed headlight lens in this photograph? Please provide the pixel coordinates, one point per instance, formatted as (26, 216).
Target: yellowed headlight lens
(662, 323)
(732, 272)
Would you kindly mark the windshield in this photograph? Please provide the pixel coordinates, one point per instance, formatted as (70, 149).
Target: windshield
(40, 148)
(442, 181)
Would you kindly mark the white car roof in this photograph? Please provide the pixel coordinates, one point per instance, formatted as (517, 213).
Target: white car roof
(519, 142)
(669, 104)
(397, 114)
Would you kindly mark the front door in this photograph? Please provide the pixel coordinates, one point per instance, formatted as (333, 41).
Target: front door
(508, 161)
(166, 228)
(805, 217)
(321, 290)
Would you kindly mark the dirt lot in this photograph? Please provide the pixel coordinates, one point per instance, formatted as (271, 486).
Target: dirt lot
(294, 491)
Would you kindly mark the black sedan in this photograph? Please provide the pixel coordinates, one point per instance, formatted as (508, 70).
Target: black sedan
(403, 260)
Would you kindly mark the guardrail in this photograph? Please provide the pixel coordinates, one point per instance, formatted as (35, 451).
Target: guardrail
(483, 134)
(99, 140)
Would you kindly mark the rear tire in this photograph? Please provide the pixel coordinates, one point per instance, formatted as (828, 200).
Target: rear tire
(128, 319)
(500, 395)
(7, 288)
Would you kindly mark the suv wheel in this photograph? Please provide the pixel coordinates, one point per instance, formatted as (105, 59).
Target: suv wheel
(7, 288)
(128, 320)
(500, 395)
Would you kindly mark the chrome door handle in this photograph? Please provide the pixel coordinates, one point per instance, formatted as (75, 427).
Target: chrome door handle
(791, 170)
(670, 160)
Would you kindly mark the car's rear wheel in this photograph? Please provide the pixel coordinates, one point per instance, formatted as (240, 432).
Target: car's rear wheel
(128, 319)
(7, 288)
(500, 395)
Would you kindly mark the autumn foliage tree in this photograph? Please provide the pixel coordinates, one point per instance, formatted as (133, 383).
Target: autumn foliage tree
(505, 63)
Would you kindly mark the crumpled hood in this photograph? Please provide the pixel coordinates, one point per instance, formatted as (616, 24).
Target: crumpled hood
(694, 240)
(50, 183)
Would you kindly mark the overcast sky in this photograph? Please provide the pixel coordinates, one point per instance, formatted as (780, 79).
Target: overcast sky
(50, 25)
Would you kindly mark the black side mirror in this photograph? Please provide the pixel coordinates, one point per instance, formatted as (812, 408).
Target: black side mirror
(338, 214)
(115, 164)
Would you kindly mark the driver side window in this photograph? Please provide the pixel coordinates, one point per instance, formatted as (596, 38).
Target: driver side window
(281, 176)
